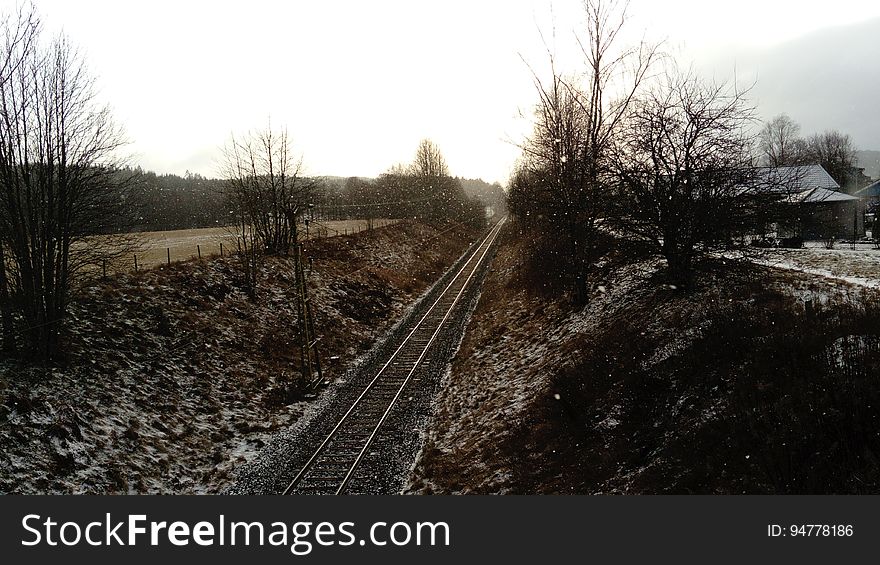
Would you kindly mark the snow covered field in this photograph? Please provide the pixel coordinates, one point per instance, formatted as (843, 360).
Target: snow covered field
(184, 245)
(860, 266)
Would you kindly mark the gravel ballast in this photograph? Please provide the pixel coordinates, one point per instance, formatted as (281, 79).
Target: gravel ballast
(393, 452)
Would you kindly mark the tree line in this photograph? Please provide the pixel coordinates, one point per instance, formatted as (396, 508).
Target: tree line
(423, 189)
(780, 144)
(159, 202)
(172, 202)
(270, 198)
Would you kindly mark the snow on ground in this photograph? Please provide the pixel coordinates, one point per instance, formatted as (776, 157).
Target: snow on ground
(487, 387)
(528, 409)
(153, 248)
(175, 378)
(384, 468)
(860, 266)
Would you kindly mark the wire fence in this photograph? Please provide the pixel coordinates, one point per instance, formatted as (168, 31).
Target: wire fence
(186, 245)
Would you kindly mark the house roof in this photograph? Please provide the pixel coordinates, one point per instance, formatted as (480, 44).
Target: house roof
(819, 194)
(795, 179)
(872, 190)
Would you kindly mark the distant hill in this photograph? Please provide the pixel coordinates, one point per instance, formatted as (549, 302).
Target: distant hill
(870, 160)
(826, 79)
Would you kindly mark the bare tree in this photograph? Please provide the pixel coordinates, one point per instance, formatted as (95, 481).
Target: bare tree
(19, 33)
(429, 161)
(265, 187)
(431, 183)
(780, 143)
(58, 176)
(575, 124)
(434, 192)
(550, 191)
(836, 152)
(683, 165)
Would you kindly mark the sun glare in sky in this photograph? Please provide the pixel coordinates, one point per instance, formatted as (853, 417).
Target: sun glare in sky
(358, 84)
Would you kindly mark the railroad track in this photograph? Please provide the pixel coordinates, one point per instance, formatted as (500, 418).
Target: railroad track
(331, 467)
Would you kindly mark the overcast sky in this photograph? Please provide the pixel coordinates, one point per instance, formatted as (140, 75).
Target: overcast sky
(359, 83)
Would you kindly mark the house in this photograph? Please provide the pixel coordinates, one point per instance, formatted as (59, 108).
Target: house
(809, 203)
(870, 197)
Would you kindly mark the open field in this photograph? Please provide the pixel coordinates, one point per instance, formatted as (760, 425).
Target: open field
(860, 266)
(182, 245)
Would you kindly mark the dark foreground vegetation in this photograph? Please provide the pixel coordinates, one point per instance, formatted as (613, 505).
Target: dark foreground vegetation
(736, 386)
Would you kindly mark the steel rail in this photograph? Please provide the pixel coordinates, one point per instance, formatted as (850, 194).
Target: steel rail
(418, 361)
(485, 245)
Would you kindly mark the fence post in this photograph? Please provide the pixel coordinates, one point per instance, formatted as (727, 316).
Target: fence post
(221, 249)
(168, 251)
(199, 250)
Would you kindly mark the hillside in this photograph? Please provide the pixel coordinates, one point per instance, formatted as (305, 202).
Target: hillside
(824, 79)
(736, 387)
(174, 378)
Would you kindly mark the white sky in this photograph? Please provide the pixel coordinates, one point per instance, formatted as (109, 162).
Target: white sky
(359, 82)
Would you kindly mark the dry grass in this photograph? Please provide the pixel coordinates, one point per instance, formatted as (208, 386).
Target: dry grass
(184, 245)
(175, 377)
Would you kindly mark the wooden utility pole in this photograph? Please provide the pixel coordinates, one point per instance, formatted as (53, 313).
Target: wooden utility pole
(855, 223)
(309, 355)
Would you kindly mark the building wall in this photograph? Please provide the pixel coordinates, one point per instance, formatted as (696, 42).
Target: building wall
(824, 220)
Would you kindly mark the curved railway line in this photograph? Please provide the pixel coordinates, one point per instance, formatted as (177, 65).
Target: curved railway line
(332, 465)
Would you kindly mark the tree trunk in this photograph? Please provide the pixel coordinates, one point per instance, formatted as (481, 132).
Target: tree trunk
(8, 345)
(581, 253)
(680, 263)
